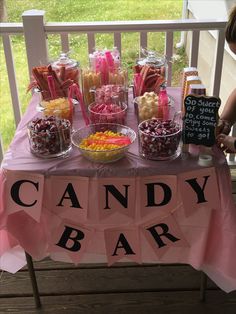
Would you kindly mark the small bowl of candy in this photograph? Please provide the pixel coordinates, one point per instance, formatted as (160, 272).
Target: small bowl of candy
(104, 142)
(59, 107)
(147, 106)
(49, 137)
(107, 113)
(159, 140)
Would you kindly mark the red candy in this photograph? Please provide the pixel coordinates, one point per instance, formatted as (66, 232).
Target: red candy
(159, 140)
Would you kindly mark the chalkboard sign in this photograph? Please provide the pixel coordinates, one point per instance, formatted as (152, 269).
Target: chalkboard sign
(200, 120)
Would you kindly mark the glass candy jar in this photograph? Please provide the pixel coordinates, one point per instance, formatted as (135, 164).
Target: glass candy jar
(49, 136)
(159, 139)
(150, 73)
(66, 68)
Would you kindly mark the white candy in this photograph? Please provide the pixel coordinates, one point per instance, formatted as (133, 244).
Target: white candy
(148, 105)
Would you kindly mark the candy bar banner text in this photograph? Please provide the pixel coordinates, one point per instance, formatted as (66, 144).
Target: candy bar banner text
(136, 197)
(125, 211)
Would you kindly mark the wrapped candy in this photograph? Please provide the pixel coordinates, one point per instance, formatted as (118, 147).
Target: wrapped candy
(158, 139)
(49, 136)
(111, 94)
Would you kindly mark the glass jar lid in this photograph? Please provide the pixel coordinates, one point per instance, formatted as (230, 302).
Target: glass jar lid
(152, 58)
(65, 61)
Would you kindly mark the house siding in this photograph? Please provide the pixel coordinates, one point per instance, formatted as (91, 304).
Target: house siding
(205, 64)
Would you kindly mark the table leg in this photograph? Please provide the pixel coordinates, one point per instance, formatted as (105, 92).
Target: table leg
(33, 280)
(203, 287)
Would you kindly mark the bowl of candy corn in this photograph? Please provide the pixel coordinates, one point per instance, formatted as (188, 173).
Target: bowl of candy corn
(103, 142)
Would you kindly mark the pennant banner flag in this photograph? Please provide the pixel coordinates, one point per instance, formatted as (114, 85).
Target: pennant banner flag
(70, 193)
(122, 242)
(74, 209)
(116, 195)
(71, 239)
(162, 234)
(199, 188)
(158, 194)
(25, 192)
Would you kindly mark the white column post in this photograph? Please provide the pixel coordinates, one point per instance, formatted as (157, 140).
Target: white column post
(35, 38)
(218, 62)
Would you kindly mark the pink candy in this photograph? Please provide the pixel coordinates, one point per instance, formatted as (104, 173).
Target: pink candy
(159, 140)
(109, 94)
(107, 113)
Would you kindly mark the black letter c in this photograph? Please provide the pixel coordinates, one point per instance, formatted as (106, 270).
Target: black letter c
(15, 192)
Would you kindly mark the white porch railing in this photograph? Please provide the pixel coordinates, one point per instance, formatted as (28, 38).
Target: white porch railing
(35, 31)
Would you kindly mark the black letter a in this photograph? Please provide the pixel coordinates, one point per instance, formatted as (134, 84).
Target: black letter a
(72, 196)
(124, 244)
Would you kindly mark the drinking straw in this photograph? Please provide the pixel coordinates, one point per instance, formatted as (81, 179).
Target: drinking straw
(51, 86)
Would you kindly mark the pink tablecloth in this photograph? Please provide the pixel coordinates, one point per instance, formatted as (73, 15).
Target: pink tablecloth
(211, 233)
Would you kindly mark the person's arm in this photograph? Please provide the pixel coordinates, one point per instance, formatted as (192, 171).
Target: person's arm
(228, 115)
(229, 111)
(227, 143)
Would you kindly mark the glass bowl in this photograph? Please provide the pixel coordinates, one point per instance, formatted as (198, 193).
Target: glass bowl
(49, 137)
(100, 154)
(107, 113)
(159, 140)
(147, 109)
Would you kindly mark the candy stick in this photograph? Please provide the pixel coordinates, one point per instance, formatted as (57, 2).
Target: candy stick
(62, 73)
(137, 83)
(105, 70)
(143, 73)
(98, 64)
(116, 141)
(110, 61)
(79, 96)
(51, 86)
(55, 78)
(38, 75)
(70, 97)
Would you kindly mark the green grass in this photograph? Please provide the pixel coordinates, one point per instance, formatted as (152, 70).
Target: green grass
(78, 11)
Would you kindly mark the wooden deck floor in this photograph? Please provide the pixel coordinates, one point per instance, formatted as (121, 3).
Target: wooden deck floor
(166, 289)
